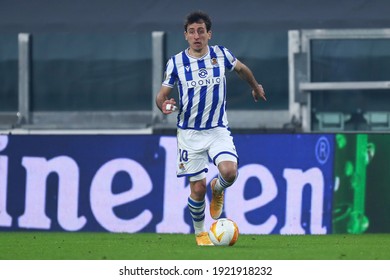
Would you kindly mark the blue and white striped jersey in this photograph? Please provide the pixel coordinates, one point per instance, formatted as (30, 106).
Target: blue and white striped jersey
(201, 84)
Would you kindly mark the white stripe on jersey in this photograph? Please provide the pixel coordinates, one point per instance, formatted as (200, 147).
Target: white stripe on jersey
(202, 87)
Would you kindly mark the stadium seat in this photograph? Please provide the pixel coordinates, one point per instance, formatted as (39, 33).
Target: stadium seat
(330, 121)
(378, 120)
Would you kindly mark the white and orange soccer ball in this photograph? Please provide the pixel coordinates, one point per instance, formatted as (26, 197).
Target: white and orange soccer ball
(224, 232)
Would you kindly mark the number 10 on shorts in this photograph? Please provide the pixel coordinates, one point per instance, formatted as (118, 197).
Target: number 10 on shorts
(183, 154)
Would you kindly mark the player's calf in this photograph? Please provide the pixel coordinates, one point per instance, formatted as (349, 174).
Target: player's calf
(216, 204)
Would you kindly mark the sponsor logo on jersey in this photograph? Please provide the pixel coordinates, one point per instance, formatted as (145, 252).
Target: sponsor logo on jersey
(202, 73)
(204, 82)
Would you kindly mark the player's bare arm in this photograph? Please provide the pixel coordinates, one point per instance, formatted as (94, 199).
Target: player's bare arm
(246, 74)
(162, 100)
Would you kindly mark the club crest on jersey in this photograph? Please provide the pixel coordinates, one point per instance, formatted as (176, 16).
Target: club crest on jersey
(202, 73)
(214, 62)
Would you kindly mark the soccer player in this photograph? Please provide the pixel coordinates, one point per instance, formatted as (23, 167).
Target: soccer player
(202, 126)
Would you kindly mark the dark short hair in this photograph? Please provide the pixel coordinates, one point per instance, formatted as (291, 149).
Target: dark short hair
(198, 17)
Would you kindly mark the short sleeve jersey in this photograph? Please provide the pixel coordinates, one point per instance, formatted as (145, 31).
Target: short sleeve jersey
(201, 84)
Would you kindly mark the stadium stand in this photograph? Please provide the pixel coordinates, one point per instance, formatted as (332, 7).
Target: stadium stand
(96, 64)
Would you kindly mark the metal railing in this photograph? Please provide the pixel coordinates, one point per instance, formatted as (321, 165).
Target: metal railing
(300, 85)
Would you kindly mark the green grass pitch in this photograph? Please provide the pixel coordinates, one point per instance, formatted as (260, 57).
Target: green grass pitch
(153, 246)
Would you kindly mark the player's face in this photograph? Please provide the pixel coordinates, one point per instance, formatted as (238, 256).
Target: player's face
(197, 37)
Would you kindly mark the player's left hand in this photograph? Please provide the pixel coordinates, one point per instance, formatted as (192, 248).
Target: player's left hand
(258, 93)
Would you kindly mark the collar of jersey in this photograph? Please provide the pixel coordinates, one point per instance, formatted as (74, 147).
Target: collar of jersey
(198, 58)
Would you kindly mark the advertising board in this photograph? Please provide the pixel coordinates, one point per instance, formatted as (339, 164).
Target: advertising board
(127, 183)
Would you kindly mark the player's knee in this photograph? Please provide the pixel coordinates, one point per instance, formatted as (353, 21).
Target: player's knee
(228, 172)
(198, 190)
(229, 176)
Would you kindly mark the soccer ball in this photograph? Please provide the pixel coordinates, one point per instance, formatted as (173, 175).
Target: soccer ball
(224, 232)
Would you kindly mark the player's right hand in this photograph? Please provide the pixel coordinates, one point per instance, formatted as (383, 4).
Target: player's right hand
(168, 110)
